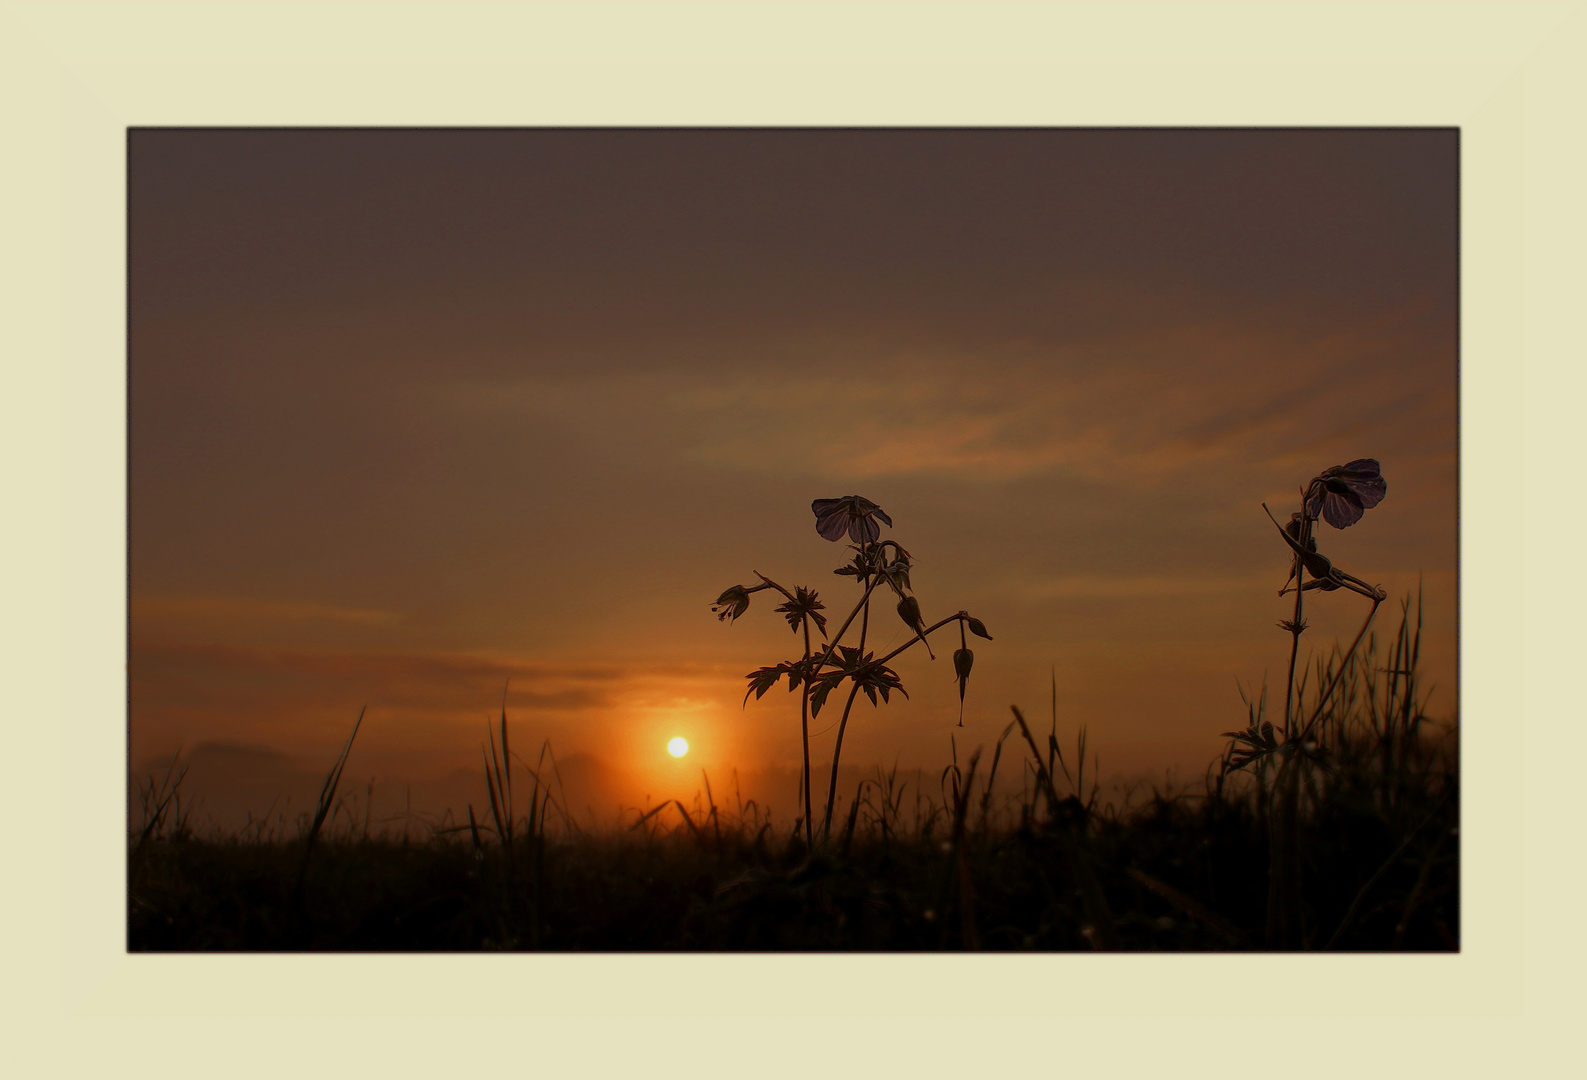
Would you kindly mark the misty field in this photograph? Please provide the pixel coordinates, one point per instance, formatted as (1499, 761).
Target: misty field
(1370, 860)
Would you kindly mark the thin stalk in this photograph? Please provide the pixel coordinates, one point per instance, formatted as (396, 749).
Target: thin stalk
(837, 749)
(1296, 623)
(1283, 849)
(837, 752)
(862, 607)
(1344, 663)
(804, 734)
(933, 628)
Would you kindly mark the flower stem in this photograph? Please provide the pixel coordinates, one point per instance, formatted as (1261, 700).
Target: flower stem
(1295, 625)
(1283, 843)
(804, 734)
(1344, 663)
(837, 752)
(922, 635)
(862, 606)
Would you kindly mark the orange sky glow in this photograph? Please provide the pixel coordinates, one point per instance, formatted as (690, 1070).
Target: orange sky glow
(419, 415)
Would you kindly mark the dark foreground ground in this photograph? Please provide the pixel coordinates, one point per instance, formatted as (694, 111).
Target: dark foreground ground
(1188, 873)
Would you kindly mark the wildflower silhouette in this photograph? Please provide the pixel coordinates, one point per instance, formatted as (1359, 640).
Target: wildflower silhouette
(1339, 495)
(822, 669)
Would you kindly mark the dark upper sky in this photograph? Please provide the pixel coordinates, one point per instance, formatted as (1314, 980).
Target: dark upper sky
(414, 409)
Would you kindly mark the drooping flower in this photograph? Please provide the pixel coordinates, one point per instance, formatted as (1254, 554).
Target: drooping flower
(731, 604)
(852, 515)
(1341, 494)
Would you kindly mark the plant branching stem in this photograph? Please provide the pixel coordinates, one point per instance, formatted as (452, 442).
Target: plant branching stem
(933, 628)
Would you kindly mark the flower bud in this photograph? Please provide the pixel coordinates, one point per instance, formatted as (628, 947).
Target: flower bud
(731, 604)
(962, 660)
(909, 611)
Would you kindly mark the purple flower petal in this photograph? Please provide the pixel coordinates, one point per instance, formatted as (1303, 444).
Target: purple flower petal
(832, 526)
(1341, 493)
(1341, 509)
(1365, 477)
(851, 514)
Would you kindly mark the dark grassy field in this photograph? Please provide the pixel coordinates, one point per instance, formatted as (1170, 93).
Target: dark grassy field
(1362, 855)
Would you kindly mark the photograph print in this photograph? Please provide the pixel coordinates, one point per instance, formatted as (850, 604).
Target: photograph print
(772, 540)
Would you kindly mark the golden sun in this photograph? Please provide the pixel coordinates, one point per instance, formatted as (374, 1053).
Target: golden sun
(678, 747)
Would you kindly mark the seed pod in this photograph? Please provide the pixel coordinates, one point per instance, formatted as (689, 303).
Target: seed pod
(977, 627)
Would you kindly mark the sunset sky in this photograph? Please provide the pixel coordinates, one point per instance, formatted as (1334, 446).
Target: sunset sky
(413, 413)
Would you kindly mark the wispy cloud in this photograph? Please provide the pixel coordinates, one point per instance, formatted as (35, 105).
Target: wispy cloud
(242, 608)
(165, 673)
(1076, 586)
(1127, 419)
(1137, 408)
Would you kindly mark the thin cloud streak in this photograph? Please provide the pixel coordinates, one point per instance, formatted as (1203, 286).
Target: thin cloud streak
(1134, 409)
(186, 609)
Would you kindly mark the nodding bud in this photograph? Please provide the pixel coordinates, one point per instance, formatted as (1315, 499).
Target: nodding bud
(732, 603)
(962, 660)
(909, 611)
(977, 627)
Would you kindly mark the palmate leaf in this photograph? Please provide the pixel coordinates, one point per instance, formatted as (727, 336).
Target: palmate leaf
(856, 569)
(877, 679)
(824, 686)
(804, 604)
(799, 673)
(763, 679)
(852, 665)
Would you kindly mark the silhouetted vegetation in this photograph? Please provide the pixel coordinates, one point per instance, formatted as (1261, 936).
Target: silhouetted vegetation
(1052, 866)
(1337, 828)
